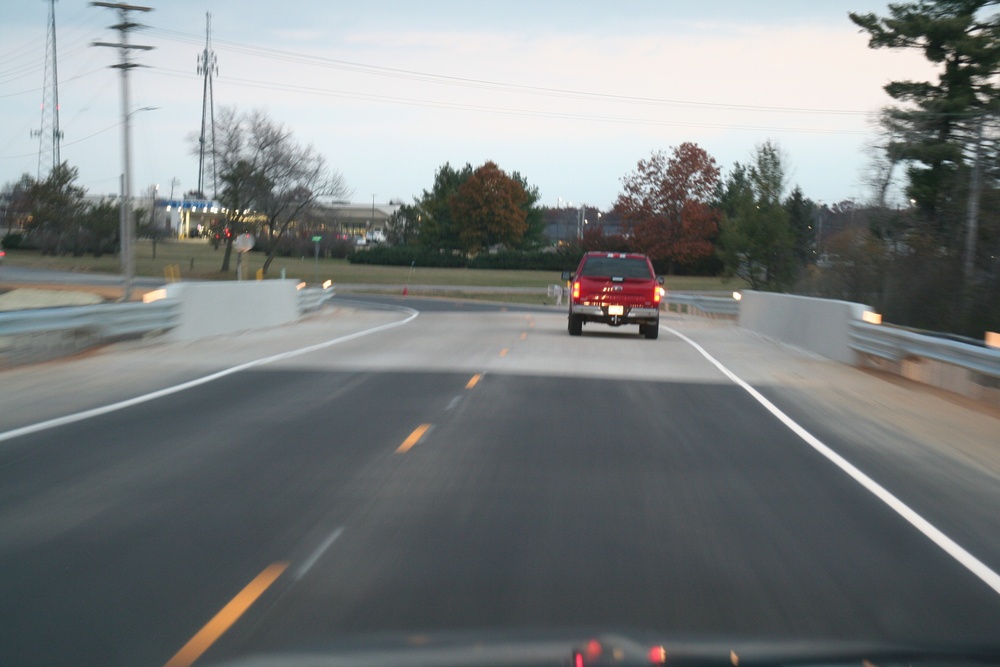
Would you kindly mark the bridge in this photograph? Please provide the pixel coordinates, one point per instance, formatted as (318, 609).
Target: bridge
(412, 468)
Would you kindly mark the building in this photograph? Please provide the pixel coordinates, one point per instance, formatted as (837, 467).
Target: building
(191, 218)
(352, 220)
(566, 226)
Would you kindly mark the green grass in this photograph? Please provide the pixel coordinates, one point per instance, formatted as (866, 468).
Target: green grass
(196, 260)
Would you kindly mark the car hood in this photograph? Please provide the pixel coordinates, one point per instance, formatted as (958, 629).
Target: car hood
(607, 649)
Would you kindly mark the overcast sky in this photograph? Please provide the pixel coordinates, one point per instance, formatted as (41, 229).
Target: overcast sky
(570, 93)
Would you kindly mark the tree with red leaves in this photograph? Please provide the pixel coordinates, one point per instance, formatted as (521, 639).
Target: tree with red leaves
(665, 204)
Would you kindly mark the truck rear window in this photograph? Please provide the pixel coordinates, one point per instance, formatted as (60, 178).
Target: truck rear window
(618, 267)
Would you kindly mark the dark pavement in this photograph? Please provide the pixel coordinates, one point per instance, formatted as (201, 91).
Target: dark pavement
(531, 502)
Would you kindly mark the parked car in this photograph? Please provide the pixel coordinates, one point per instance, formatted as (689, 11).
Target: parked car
(616, 289)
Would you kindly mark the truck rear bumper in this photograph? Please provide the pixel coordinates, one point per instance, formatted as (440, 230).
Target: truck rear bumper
(630, 316)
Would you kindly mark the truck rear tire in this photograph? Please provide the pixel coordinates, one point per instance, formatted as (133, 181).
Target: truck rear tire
(575, 325)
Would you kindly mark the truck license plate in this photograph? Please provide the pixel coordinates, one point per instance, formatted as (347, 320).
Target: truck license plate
(616, 310)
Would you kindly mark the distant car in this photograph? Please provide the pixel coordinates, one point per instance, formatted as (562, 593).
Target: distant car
(2, 255)
(616, 289)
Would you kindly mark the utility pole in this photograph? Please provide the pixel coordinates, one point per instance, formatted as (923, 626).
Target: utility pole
(124, 27)
(207, 66)
(48, 133)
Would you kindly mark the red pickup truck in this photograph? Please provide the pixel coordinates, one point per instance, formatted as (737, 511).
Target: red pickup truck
(615, 288)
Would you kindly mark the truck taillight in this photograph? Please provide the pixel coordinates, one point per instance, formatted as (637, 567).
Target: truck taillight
(657, 293)
(576, 290)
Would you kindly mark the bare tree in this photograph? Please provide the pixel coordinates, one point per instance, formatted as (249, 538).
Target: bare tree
(17, 203)
(268, 179)
(884, 156)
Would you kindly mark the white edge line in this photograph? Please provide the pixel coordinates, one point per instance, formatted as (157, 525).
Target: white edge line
(317, 554)
(952, 548)
(167, 391)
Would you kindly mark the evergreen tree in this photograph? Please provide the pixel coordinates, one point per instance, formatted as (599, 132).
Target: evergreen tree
(939, 119)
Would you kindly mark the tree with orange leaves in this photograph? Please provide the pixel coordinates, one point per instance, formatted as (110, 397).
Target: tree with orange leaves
(666, 204)
(490, 209)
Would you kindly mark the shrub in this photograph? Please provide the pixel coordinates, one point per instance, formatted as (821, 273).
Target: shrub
(510, 260)
(528, 261)
(406, 256)
(12, 241)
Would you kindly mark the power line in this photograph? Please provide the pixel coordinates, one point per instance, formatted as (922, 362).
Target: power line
(32, 69)
(509, 111)
(69, 143)
(290, 56)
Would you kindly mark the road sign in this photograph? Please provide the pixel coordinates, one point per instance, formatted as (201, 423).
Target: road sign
(244, 242)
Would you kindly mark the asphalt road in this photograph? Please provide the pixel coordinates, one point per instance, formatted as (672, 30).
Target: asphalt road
(475, 469)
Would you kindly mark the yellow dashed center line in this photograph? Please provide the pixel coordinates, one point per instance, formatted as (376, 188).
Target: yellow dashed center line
(225, 619)
(503, 352)
(474, 381)
(413, 438)
(524, 335)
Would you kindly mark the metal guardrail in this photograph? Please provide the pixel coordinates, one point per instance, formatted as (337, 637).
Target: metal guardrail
(118, 320)
(882, 341)
(441, 289)
(35, 335)
(710, 305)
(313, 298)
(897, 345)
(105, 321)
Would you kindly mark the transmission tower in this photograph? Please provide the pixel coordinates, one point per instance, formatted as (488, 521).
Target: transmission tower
(207, 66)
(48, 132)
